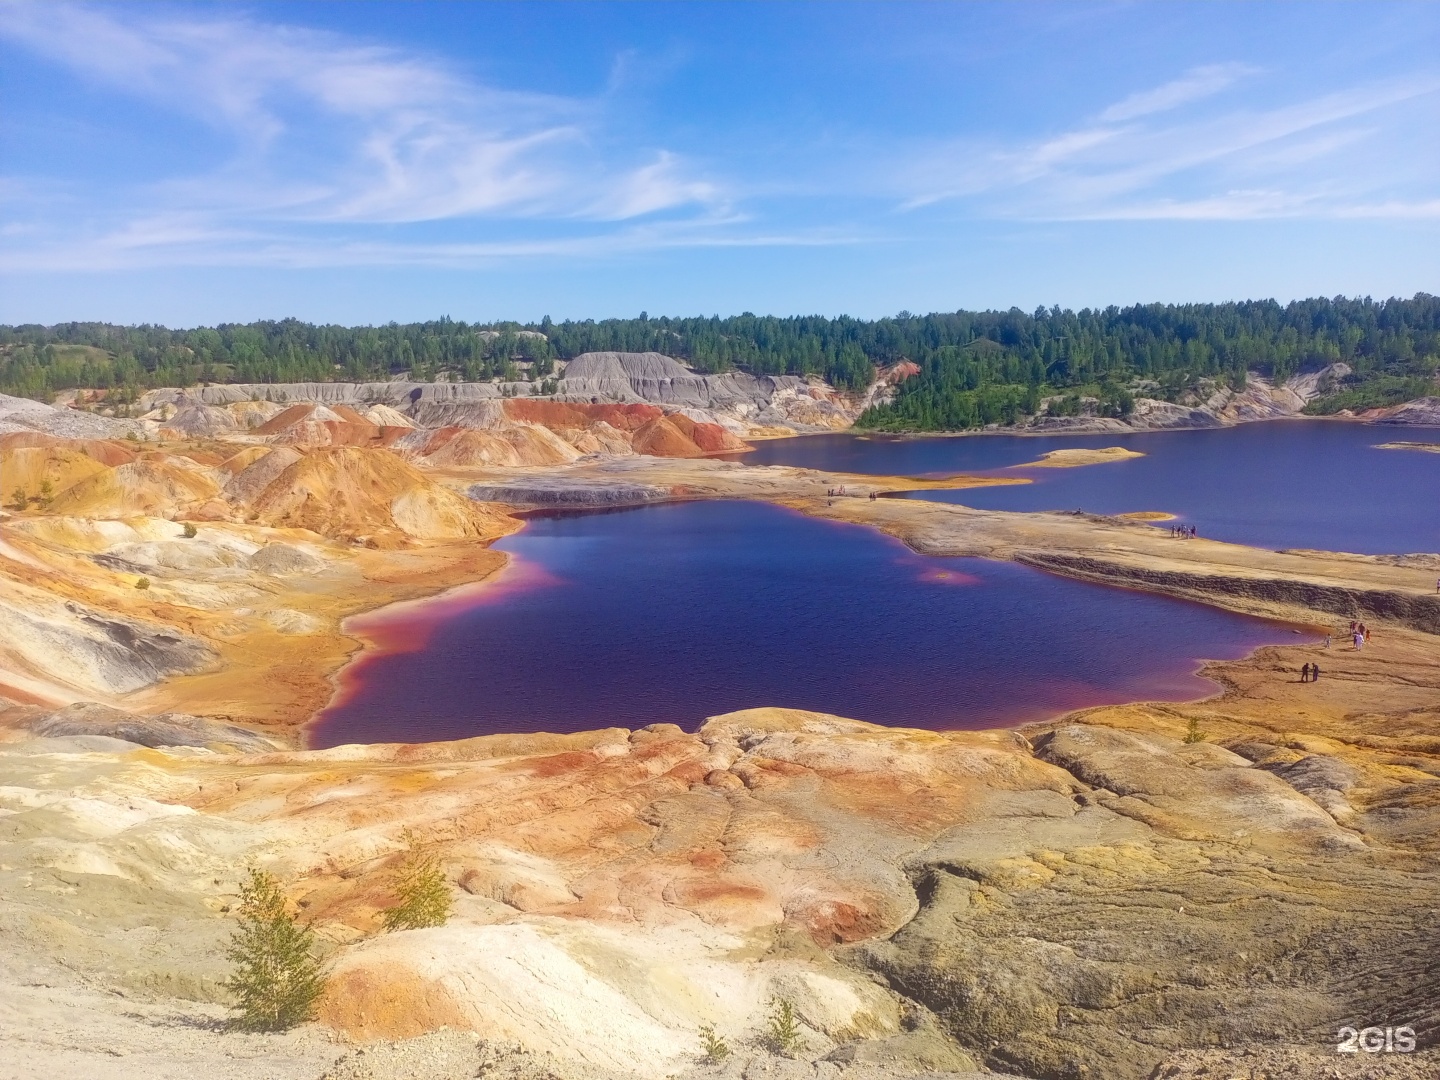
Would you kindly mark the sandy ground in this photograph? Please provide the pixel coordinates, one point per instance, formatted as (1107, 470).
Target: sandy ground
(862, 868)
(1070, 459)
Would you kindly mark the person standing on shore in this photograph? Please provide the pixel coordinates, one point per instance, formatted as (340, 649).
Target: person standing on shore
(1305, 673)
(1314, 672)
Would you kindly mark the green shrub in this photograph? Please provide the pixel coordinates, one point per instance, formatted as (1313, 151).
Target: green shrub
(713, 1048)
(190, 531)
(277, 978)
(1193, 734)
(420, 885)
(784, 1027)
(143, 583)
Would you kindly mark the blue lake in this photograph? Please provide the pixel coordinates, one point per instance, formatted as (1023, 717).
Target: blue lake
(1283, 484)
(675, 613)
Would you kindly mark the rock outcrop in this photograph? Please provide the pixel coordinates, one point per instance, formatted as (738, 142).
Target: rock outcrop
(609, 389)
(1260, 400)
(1423, 411)
(24, 415)
(1089, 898)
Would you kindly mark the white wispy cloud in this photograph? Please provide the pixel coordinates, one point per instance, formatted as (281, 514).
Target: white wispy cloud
(1197, 83)
(324, 130)
(1331, 155)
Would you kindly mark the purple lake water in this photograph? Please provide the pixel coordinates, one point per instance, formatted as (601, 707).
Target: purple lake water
(1283, 484)
(679, 612)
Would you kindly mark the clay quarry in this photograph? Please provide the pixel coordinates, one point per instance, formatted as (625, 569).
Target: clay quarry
(1200, 889)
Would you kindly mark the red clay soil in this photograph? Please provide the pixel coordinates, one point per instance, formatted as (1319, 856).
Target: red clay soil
(565, 414)
(282, 422)
(710, 438)
(661, 437)
(898, 373)
(102, 450)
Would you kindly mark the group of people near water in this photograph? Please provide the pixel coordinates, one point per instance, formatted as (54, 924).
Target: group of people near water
(1184, 532)
(1359, 634)
(831, 493)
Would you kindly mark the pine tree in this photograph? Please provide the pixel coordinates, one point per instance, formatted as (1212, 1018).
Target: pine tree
(277, 978)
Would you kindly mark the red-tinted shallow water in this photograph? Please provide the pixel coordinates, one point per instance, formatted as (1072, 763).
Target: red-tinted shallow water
(675, 613)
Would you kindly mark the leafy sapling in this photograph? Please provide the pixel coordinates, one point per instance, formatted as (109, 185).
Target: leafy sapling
(713, 1048)
(420, 886)
(784, 1027)
(276, 977)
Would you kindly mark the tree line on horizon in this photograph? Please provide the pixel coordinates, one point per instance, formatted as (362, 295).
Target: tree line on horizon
(976, 367)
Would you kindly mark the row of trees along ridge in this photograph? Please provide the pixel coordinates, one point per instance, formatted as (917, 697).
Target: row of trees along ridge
(976, 367)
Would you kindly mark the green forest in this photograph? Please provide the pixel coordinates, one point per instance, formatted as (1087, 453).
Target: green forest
(976, 367)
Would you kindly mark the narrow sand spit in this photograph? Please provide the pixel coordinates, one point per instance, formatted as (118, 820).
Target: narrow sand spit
(1069, 459)
(1424, 447)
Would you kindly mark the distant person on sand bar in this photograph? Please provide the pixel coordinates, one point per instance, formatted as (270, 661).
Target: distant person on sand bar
(1314, 672)
(1305, 673)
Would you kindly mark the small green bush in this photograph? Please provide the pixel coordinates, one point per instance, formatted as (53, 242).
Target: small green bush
(1193, 734)
(277, 978)
(190, 531)
(420, 885)
(143, 583)
(713, 1048)
(19, 499)
(784, 1027)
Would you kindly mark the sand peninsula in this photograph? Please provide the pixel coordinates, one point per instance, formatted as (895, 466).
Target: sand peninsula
(1226, 882)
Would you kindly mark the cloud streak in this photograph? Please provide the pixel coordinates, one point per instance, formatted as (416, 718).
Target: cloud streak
(1329, 156)
(1195, 84)
(305, 147)
(318, 129)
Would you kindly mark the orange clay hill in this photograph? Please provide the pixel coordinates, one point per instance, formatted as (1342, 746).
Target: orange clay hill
(370, 495)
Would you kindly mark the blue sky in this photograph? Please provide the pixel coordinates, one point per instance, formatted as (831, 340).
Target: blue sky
(194, 163)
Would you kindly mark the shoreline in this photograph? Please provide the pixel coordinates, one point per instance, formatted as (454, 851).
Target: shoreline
(1065, 562)
(421, 610)
(870, 433)
(263, 681)
(423, 613)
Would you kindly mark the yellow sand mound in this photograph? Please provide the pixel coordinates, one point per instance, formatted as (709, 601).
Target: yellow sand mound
(153, 485)
(370, 494)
